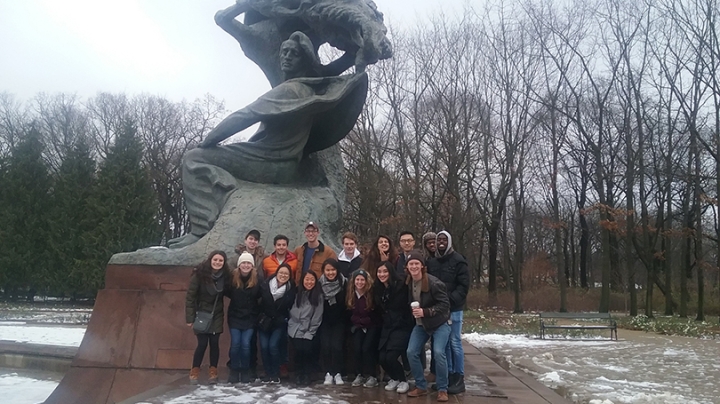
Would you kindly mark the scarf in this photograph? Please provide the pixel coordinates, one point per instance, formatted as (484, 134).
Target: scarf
(275, 291)
(218, 280)
(332, 288)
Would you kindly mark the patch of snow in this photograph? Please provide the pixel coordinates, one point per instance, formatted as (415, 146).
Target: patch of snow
(250, 394)
(46, 335)
(640, 369)
(18, 389)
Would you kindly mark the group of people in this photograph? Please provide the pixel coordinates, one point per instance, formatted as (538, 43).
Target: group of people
(385, 305)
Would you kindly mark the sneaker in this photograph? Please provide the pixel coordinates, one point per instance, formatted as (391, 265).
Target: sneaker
(442, 396)
(339, 380)
(194, 375)
(359, 380)
(371, 382)
(328, 379)
(416, 392)
(391, 385)
(212, 375)
(274, 380)
(403, 387)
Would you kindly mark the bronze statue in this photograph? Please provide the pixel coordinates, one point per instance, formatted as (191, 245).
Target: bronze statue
(311, 106)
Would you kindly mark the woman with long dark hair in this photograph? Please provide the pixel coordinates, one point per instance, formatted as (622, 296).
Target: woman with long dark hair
(365, 328)
(381, 251)
(332, 330)
(243, 313)
(205, 293)
(305, 319)
(278, 295)
(391, 295)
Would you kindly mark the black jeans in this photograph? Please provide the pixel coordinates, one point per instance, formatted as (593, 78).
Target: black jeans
(390, 361)
(203, 340)
(303, 355)
(333, 342)
(365, 348)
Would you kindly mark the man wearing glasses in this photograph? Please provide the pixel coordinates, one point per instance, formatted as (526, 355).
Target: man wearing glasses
(407, 243)
(313, 253)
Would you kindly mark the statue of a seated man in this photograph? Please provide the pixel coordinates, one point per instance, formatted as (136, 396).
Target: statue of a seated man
(303, 114)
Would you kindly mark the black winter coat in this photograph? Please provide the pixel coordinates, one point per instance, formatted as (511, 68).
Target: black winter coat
(452, 270)
(244, 307)
(201, 297)
(348, 267)
(398, 321)
(336, 313)
(278, 310)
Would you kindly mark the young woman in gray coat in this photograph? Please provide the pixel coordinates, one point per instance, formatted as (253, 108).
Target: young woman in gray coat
(305, 318)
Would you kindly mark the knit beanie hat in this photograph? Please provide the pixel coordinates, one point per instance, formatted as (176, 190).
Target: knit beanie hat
(246, 257)
(415, 255)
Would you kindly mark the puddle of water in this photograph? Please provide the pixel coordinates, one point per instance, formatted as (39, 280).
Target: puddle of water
(640, 368)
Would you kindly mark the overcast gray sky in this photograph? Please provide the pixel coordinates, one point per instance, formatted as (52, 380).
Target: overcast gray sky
(170, 48)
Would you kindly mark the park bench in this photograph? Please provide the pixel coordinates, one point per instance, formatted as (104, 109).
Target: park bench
(600, 321)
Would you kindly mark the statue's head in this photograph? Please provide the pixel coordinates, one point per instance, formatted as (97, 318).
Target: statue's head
(298, 57)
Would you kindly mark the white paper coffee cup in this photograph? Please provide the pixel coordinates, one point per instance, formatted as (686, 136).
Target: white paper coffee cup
(415, 305)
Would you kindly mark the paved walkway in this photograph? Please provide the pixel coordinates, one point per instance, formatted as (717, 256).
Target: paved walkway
(486, 383)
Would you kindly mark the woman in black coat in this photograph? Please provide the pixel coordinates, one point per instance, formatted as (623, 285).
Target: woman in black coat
(391, 296)
(243, 312)
(278, 295)
(205, 294)
(334, 322)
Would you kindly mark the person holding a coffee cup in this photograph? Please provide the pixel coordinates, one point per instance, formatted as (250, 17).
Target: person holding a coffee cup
(430, 306)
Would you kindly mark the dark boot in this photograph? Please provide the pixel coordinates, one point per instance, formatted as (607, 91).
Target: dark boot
(245, 376)
(458, 386)
(233, 376)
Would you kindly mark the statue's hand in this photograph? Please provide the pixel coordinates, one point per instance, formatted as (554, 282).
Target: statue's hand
(207, 143)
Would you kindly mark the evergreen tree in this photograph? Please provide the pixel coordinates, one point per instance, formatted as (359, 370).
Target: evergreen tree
(25, 203)
(122, 205)
(71, 223)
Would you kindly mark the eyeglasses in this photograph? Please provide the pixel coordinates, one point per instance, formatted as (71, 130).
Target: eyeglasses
(311, 231)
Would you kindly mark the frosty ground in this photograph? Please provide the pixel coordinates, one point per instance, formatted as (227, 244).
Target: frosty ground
(640, 368)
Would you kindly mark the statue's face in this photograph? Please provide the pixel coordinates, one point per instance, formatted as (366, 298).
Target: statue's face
(291, 58)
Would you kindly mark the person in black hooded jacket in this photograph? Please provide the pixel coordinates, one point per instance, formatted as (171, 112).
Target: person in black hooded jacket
(391, 295)
(452, 269)
(278, 295)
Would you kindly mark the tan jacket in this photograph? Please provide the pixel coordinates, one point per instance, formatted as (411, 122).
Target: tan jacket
(322, 252)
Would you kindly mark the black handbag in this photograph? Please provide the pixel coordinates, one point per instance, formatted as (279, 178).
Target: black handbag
(265, 323)
(203, 319)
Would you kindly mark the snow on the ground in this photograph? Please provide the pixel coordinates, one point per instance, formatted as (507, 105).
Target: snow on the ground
(45, 314)
(46, 335)
(251, 394)
(18, 389)
(641, 368)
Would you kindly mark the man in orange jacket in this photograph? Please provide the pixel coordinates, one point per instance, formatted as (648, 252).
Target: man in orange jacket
(281, 254)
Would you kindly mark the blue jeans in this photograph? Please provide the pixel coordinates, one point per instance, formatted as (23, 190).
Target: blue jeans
(271, 349)
(240, 350)
(416, 347)
(454, 352)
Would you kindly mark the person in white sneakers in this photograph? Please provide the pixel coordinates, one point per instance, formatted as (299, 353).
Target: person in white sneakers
(391, 294)
(335, 320)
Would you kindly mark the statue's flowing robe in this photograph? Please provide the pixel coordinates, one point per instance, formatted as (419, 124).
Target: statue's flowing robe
(298, 117)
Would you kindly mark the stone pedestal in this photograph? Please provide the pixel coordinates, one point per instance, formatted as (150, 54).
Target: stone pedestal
(137, 337)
